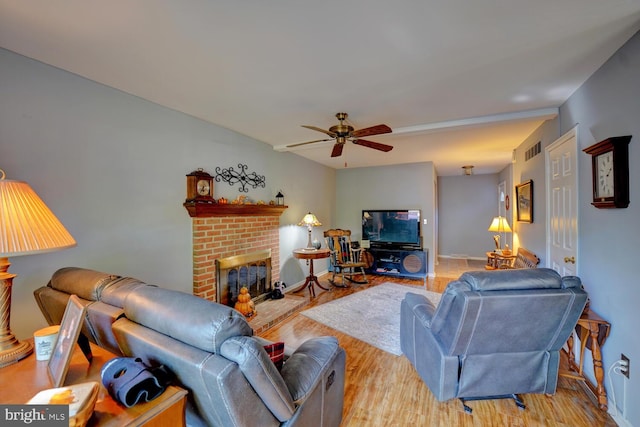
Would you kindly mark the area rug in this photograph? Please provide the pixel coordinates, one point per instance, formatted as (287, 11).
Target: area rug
(371, 315)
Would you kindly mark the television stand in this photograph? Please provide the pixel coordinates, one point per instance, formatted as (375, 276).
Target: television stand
(411, 263)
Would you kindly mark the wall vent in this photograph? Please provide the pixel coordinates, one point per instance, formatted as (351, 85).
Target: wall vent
(533, 151)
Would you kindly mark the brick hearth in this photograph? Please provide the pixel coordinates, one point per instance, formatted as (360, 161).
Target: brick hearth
(225, 236)
(272, 312)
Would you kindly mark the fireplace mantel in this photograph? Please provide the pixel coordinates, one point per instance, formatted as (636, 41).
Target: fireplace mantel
(204, 210)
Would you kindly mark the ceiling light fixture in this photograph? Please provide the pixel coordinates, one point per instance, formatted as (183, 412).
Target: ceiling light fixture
(468, 169)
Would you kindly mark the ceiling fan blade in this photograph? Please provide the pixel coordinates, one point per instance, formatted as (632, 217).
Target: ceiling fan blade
(331, 134)
(374, 145)
(373, 130)
(309, 142)
(337, 150)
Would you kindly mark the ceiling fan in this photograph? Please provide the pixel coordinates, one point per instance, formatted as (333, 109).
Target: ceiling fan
(343, 132)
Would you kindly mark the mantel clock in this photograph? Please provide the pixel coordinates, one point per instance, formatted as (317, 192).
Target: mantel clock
(200, 187)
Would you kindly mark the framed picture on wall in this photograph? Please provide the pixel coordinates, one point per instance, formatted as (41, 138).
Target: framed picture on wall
(524, 201)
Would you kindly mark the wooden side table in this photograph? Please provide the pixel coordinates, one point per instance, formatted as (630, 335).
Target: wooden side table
(592, 330)
(310, 255)
(24, 379)
(496, 260)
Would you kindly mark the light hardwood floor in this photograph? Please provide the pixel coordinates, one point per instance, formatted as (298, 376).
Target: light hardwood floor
(384, 390)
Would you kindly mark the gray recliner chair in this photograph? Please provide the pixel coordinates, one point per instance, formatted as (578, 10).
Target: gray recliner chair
(494, 334)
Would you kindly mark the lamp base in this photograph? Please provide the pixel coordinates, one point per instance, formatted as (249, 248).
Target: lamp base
(14, 352)
(11, 350)
(310, 246)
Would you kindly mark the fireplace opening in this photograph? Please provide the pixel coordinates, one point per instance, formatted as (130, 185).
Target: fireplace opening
(252, 271)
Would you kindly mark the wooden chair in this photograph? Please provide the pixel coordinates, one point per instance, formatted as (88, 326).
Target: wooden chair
(523, 259)
(346, 257)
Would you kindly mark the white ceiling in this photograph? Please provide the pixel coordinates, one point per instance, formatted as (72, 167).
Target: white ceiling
(460, 82)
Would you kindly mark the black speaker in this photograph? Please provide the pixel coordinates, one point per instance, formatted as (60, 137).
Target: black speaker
(413, 262)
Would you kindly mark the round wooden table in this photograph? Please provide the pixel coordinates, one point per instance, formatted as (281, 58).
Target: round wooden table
(310, 255)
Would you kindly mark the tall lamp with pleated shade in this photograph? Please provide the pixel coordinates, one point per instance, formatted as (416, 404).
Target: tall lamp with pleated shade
(27, 227)
(499, 225)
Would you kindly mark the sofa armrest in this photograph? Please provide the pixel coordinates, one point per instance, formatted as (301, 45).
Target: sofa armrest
(304, 369)
(255, 364)
(52, 303)
(422, 308)
(569, 282)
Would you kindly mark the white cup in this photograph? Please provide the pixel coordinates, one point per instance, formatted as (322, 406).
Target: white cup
(44, 339)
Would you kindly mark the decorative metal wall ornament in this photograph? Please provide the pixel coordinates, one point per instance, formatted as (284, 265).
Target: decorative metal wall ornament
(233, 177)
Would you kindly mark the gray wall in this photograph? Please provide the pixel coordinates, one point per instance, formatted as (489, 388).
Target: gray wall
(112, 168)
(407, 186)
(533, 235)
(506, 175)
(467, 204)
(608, 104)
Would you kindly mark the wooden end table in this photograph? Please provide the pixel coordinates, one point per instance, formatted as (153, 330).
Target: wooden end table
(496, 260)
(594, 328)
(24, 379)
(310, 255)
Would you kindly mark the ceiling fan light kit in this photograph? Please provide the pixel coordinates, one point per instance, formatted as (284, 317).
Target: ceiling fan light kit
(344, 132)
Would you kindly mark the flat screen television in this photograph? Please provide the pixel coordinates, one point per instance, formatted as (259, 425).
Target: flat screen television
(392, 229)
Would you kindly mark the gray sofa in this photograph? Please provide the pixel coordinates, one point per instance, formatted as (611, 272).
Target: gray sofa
(209, 347)
(494, 333)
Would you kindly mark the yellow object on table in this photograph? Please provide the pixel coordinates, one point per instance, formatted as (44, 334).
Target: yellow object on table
(81, 399)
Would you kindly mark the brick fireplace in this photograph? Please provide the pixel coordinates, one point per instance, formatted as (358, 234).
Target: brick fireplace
(222, 231)
(251, 271)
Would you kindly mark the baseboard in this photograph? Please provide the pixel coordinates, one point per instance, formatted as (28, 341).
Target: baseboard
(622, 422)
(460, 256)
(298, 285)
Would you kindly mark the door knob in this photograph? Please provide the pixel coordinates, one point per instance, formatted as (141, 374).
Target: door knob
(572, 260)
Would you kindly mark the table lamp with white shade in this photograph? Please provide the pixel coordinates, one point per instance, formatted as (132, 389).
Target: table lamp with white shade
(499, 225)
(27, 227)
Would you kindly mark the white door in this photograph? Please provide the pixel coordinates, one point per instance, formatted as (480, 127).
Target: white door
(502, 196)
(502, 211)
(562, 203)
